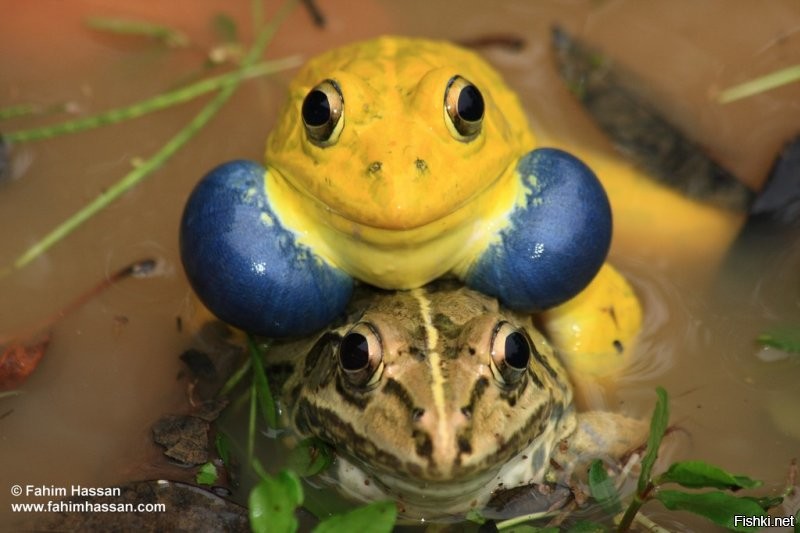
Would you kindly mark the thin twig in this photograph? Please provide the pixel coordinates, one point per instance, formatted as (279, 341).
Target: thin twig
(151, 105)
(760, 85)
(123, 26)
(137, 269)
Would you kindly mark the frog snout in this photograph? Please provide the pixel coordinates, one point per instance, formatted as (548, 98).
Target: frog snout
(442, 441)
(417, 166)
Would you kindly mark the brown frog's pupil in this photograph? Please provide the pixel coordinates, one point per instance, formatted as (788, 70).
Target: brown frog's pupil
(470, 104)
(354, 352)
(316, 108)
(518, 353)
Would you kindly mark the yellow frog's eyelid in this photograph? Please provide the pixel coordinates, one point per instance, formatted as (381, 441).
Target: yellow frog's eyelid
(510, 353)
(323, 113)
(463, 109)
(360, 355)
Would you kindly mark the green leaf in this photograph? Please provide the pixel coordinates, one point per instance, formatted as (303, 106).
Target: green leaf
(658, 425)
(786, 339)
(700, 475)
(602, 488)
(311, 456)
(263, 393)
(585, 526)
(223, 445)
(207, 475)
(526, 528)
(476, 517)
(377, 517)
(766, 502)
(719, 507)
(272, 503)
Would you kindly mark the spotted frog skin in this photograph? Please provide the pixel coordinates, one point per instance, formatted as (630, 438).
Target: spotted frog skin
(394, 162)
(438, 397)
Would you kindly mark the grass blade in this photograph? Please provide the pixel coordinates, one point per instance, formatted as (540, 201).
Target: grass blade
(156, 103)
(143, 28)
(760, 84)
(266, 402)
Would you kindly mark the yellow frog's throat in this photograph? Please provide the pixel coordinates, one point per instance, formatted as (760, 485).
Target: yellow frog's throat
(397, 258)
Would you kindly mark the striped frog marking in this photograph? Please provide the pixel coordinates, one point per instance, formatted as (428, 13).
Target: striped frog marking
(435, 397)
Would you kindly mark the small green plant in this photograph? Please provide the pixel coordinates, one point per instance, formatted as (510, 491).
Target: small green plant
(273, 502)
(719, 506)
(716, 502)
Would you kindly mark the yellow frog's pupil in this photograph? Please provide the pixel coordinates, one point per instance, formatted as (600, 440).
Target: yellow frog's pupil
(316, 109)
(322, 113)
(470, 104)
(463, 104)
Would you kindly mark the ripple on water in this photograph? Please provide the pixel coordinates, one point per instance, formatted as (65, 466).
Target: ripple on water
(670, 327)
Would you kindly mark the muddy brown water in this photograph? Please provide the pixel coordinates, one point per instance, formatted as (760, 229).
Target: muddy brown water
(84, 417)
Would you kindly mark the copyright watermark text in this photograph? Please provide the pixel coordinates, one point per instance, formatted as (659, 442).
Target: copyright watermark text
(58, 503)
(763, 521)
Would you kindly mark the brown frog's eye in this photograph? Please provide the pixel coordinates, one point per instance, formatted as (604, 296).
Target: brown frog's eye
(463, 109)
(361, 356)
(511, 353)
(323, 113)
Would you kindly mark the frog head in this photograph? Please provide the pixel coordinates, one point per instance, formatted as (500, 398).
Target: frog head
(394, 162)
(397, 133)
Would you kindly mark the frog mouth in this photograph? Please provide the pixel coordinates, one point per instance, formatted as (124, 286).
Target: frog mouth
(397, 208)
(421, 498)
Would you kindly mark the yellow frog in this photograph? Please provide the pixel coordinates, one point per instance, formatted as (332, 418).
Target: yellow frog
(394, 162)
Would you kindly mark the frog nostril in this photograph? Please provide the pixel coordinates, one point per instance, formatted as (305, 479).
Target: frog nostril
(374, 167)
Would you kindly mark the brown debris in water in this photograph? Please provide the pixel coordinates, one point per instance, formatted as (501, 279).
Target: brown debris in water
(22, 352)
(19, 359)
(186, 437)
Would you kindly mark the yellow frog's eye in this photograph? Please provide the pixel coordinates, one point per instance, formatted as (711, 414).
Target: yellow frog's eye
(323, 113)
(361, 355)
(511, 353)
(463, 109)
